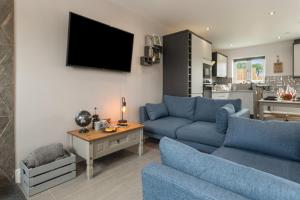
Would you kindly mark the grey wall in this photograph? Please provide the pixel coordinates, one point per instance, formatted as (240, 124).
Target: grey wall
(7, 144)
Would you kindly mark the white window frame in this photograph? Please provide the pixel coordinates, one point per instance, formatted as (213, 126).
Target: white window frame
(234, 77)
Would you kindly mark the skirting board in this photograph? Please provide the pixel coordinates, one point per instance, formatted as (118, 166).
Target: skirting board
(18, 175)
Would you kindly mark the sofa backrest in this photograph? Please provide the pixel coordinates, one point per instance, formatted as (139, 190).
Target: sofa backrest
(275, 138)
(182, 107)
(246, 181)
(205, 109)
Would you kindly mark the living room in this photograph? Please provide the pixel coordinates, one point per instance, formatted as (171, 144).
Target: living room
(93, 92)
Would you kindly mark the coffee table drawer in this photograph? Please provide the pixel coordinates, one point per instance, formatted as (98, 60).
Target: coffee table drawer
(115, 143)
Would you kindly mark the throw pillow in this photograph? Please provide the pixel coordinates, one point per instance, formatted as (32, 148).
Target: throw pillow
(222, 116)
(156, 111)
(275, 138)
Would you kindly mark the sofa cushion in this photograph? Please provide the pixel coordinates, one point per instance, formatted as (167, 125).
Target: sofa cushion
(166, 126)
(287, 169)
(156, 111)
(222, 116)
(276, 138)
(206, 108)
(243, 180)
(180, 106)
(201, 132)
(165, 183)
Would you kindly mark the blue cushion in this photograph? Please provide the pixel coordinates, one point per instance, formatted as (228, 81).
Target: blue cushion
(249, 182)
(180, 106)
(156, 111)
(200, 147)
(164, 183)
(222, 116)
(201, 132)
(287, 169)
(206, 108)
(166, 126)
(276, 138)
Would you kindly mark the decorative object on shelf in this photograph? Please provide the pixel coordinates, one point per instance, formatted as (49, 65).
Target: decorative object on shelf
(288, 94)
(152, 50)
(110, 129)
(95, 118)
(122, 121)
(278, 66)
(83, 119)
(102, 124)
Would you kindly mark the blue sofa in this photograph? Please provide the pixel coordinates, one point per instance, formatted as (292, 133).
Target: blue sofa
(197, 122)
(259, 160)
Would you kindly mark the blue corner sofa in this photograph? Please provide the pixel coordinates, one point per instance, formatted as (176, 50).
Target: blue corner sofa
(198, 122)
(258, 160)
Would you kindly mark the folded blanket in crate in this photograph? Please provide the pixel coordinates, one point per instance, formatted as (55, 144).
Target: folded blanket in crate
(44, 155)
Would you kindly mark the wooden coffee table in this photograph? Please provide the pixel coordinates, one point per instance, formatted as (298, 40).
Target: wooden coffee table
(96, 144)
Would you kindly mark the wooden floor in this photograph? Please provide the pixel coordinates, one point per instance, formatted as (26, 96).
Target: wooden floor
(116, 177)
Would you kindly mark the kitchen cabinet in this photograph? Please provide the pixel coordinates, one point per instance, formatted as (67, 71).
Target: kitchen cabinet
(220, 95)
(296, 66)
(246, 97)
(206, 49)
(197, 66)
(220, 67)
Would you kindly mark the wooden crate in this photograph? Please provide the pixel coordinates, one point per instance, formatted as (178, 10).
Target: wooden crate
(36, 180)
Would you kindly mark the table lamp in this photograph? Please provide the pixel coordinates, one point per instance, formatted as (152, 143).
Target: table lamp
(123, 122)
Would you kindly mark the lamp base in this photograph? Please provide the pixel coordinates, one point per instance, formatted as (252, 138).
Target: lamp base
(122, 122)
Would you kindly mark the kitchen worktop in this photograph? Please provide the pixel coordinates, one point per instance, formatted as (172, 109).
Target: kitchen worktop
(227, 91)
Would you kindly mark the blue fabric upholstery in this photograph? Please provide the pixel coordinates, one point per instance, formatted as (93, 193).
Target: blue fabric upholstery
(143, 114)
(287, 169)
(199, 146)
(164, 183)
(276, 138)
(166, 126)
(156, 111)
(206, 108)
(222, 116)
(201, 132)
(248, 182)
(242, 113)
(182, 107)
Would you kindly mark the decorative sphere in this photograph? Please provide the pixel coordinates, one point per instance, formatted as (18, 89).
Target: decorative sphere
(83, 118)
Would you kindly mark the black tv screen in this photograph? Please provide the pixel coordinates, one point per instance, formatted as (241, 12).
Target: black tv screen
(94, 44)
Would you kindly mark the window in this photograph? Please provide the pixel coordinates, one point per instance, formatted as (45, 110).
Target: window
(249, 69)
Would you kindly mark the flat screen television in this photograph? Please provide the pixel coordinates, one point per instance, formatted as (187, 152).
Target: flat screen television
(94, 44)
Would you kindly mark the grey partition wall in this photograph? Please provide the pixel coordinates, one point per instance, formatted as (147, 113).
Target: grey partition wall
(7, 144)
(184, 54)
(175, 62)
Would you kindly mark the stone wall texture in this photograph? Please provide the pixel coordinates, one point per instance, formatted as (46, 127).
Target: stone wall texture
(7, 85)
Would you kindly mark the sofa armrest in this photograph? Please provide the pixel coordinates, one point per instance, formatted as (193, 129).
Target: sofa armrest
(143, 114)
(242, 113)
(164, 183)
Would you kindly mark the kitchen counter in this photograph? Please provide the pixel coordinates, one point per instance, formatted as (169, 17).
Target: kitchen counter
(229, 91)
(246, 97)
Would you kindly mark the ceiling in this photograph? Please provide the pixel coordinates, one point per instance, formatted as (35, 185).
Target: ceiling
(233, 23)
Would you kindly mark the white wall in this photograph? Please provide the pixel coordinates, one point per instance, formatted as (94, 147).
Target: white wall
(283, 49)
(49, 94)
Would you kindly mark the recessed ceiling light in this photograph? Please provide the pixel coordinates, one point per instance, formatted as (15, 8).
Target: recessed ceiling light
(231, 45)
(279, 37)
(272, 13)
(207, 28)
